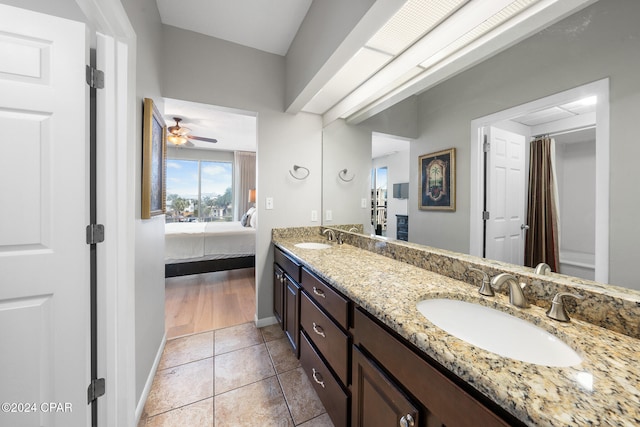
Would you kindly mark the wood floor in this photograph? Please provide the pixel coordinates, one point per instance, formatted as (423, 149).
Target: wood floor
(209, 301)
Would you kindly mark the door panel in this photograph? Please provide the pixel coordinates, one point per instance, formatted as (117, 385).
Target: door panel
(506, 196)
(44, 259)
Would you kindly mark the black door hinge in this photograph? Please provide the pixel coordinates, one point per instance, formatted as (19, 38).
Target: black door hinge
(95, 77)
(485, 215)
(96, 389)
(95, 234)
(486, 145)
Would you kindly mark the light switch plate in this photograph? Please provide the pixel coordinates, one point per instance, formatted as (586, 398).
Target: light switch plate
(328, 215)
(268, 203)
(363, 203)
(314, 216)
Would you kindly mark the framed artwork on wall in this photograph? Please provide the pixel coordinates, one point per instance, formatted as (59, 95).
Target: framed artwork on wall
(154, 149)
(438, 180)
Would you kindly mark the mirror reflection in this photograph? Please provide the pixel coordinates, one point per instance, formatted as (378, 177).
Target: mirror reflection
(552, 73)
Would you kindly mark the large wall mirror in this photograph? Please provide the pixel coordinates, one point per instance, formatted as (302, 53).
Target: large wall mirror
(595, 46)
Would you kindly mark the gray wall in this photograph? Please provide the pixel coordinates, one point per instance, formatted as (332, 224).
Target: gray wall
(598, 42)
(217, 72)
(349, 147)
(62, 8)
(149, 233)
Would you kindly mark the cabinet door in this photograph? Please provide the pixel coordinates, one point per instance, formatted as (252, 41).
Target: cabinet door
(292, 313)
(278, 293)
(377, 401)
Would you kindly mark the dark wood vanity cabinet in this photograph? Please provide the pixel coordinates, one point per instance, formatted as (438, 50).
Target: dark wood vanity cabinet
(397, 379)
(377, 400)
(286, 296)
(365, 374)
(325, 352)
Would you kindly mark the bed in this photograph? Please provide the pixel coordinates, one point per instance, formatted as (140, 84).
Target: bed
(199, 247)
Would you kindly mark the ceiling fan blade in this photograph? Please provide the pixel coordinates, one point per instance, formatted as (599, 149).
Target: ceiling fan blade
(201, 138)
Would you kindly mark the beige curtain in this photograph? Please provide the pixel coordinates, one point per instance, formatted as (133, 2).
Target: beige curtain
(245, 180)
(541, 242)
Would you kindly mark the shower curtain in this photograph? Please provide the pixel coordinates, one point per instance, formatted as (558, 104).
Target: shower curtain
(541, 242)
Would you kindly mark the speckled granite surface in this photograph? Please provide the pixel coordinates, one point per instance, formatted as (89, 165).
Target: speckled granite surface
(602, 390)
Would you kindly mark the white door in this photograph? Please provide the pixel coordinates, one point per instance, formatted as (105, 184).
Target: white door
(506, 180)
(44, 258)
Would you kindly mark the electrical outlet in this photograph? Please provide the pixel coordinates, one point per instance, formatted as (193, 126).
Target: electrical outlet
(328, 215)
(268, 202)
(314, 216)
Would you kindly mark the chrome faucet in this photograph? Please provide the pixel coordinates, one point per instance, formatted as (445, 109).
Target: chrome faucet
(557, 310)
(332, 234)
(353, 229)
(340, 238)
(516, 296)
(486, 288)
(543, 268)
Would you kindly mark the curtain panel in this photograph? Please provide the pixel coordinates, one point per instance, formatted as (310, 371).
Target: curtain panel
(245, 178)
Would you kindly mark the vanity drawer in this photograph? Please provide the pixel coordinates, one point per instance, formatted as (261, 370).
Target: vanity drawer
(333, 397)
(328, 338)
(330, 300)
(291, 267)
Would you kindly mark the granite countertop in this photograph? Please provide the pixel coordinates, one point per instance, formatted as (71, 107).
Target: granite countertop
(602, 390)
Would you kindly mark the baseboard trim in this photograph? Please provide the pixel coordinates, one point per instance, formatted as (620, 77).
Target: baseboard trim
(149, 382)
(268, 321)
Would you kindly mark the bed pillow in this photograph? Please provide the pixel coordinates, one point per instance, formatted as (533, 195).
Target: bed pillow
(244, 221)
(253, 221)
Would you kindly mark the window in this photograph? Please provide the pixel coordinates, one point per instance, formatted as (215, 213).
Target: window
(199, 190)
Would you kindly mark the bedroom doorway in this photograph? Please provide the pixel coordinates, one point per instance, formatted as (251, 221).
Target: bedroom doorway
(210, 231)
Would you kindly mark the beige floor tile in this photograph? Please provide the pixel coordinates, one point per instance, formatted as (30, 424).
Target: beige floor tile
(179, 386)
(282, 355)
(258, 404)
(242, 367)
(272, 332)
(199, 414)
(187, 349)
(320, 421)
(302, 399)
(236, 337)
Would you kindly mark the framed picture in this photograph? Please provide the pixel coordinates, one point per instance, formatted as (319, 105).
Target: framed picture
(438, 180)
(154, 134)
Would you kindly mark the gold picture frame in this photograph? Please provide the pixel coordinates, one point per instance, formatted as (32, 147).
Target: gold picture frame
(438, 180)
(154, 161)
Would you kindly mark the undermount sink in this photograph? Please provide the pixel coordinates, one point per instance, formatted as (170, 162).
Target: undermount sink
(498, 332)
(312, 245)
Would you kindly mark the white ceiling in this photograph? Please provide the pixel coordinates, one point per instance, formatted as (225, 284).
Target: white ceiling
(235, 130)
(268, 25)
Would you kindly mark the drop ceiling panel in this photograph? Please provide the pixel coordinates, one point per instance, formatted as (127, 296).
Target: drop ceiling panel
(543, 116)
(362, 66)
(411, 22)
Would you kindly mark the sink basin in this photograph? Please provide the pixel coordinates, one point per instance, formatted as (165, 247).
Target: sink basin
(312, 245)
(498, 332)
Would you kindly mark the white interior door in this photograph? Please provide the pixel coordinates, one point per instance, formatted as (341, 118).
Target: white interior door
(44, 258)
(506, 180)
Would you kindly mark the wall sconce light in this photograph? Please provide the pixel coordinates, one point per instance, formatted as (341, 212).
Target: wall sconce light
(252, 195)
(295, 171)
(343, 175)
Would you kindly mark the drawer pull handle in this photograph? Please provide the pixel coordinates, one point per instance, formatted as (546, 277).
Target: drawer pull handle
(319, 292)
(407, 421)
(318, 330)
(315, 375)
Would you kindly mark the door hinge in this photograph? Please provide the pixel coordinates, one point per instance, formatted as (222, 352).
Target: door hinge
(486, 145)
(95, 234)
(485, 215)
(96, 389)
(95, 77)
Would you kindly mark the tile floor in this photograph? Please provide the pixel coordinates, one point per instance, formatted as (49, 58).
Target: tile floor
(236, 376)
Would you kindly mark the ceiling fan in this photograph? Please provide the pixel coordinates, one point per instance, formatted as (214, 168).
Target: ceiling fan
(180, 135)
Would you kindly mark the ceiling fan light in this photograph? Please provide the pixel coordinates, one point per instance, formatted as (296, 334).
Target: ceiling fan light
(176, 139)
